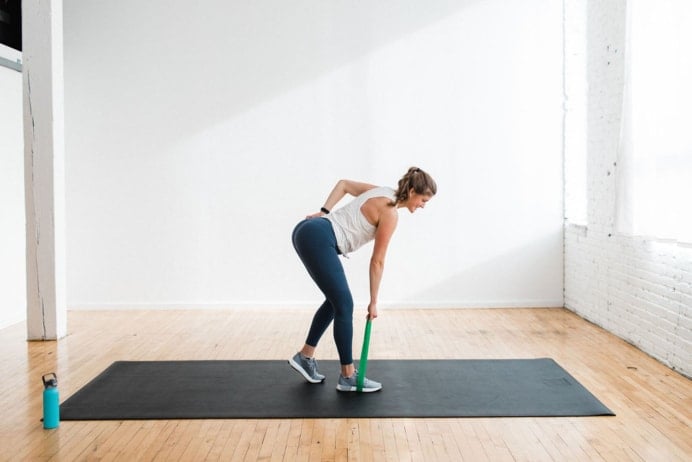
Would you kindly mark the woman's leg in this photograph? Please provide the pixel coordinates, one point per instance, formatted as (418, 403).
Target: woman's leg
(320, 321)
(315, 244)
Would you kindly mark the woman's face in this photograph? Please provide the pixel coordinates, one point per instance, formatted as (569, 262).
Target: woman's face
(416, 201)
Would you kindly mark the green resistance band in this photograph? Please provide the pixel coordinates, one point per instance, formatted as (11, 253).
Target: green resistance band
(363, 364)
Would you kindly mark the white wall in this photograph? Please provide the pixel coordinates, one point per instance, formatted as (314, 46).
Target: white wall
(639, 289)
(197, 137)
(12, 231)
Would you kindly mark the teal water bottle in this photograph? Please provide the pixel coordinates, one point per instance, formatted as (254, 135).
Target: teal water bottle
(51, 401)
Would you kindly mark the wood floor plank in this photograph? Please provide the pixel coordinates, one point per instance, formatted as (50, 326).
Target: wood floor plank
(653, 403)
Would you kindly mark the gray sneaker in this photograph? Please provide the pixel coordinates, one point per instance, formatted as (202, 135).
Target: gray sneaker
(307, 368)
(351, 384)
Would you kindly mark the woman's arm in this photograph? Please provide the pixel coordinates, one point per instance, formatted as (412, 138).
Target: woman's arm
(385, 230)
(343, 187)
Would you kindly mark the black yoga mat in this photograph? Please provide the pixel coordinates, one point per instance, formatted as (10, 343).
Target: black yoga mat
(272, 389)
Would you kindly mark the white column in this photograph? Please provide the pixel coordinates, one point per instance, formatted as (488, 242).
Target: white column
(42, 43)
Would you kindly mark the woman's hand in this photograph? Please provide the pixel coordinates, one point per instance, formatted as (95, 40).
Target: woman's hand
(372, 311)
(315, 215)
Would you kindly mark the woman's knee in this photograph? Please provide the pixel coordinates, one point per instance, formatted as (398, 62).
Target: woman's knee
(343, 306)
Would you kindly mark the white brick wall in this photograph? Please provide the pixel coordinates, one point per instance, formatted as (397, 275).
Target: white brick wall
(640, 290)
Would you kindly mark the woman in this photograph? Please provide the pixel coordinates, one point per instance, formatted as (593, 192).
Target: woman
(323, 236)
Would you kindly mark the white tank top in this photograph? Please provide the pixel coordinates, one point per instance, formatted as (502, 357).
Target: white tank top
(351, 228)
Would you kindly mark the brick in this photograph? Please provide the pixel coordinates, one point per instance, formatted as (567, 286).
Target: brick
(637, 289)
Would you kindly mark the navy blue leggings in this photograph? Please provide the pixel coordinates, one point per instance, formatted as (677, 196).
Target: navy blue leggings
(315, 243)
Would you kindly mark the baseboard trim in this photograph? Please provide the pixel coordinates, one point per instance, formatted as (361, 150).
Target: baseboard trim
(461, 304)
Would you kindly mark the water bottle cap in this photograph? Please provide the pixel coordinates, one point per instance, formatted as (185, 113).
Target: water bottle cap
(51, 382)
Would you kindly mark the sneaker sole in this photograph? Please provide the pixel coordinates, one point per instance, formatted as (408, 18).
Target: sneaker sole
(302, 372)
(349, 388)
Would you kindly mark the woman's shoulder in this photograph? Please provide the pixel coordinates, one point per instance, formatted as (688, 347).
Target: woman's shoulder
(377, 206)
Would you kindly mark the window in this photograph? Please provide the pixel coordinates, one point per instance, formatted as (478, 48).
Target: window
(655, 157)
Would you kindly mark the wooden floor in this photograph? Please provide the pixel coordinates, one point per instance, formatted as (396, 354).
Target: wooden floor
(653, 404)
